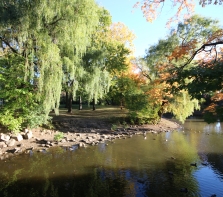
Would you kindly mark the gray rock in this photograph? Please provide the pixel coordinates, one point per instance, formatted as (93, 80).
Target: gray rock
(15, 150)
(30, 148)
(17, 137)
(4, 137)
(81, 144)
(48, 142)
(89, 137)
(28, 135)
(2, 157)
(11, 142)
(63, 140)
(2, 145)
(20, 145)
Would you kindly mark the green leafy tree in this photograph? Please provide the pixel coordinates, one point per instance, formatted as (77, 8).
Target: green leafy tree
(105, 57)
(48, 38)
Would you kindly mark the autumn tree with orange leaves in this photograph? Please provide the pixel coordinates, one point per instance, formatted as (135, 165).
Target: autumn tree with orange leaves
(165, 62)
(184, 8)
(201, 71)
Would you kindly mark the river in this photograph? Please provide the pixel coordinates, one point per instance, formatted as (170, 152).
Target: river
(186, 162)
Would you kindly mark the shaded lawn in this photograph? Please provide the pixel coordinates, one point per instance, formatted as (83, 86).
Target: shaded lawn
(103, 112)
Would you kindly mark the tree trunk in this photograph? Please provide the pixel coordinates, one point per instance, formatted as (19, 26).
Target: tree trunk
(93, 104)
(107, 101)
(80, 103)
(70, 99)
(66, 100)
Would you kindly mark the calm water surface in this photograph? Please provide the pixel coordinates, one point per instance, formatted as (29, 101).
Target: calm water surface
(157, 166)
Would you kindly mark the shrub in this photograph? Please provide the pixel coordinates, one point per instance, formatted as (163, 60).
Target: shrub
(58, 136)
(114, 127)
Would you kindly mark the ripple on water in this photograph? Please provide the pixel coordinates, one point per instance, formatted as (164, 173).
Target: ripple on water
(209, 182)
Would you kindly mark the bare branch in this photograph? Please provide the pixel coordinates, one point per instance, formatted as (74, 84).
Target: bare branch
(8, 44)
(144, 73)
(202, 48)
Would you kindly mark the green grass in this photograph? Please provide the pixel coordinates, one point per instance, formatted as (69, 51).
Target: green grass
(87, 112)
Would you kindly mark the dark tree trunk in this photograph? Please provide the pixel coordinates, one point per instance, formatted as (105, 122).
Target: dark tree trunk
(70, 99)
(107, 101)
(66, 100)
(121, 103)
(80, 103)
(160, 112)
(93, 104)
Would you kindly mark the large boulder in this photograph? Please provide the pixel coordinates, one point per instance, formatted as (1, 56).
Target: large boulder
(11, 142)
(4, 137)
(17, 137)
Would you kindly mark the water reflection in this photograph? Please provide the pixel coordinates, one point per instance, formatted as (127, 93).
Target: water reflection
(218, 127)
(157, 166)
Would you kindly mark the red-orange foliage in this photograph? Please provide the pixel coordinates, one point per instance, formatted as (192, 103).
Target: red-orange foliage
(152, 8)
(218, 97)
(181, 51)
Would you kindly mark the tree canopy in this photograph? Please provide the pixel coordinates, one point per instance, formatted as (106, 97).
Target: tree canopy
(50, 46)
(177, 80)
(46, 38)
(47, 47)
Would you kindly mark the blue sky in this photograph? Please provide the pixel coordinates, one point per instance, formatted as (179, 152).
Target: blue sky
(149, 33)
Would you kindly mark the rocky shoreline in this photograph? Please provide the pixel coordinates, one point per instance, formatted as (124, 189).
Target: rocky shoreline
(71, 137)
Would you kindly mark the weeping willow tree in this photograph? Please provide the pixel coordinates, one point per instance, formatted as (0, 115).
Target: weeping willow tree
(41, 42)
(102, 59)
(182, 105)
